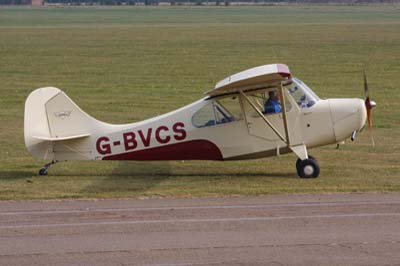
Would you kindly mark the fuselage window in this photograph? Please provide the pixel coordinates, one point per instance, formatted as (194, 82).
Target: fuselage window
(212, 114)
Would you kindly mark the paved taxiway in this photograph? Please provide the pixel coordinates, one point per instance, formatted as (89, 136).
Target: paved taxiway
(340, 229)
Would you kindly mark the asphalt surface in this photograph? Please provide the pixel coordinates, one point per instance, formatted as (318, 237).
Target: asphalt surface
(339, 229)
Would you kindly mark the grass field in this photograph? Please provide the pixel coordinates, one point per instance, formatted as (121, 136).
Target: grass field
(124, 64)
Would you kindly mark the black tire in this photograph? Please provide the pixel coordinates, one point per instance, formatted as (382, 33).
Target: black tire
(43, 171)
(298, 166)
(308, 168)
(298, 163)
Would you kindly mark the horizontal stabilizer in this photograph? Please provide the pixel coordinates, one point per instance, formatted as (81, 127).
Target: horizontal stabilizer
(62, 138)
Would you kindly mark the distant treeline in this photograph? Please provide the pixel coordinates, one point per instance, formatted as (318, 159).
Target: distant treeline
(196, 2)
(15, 2)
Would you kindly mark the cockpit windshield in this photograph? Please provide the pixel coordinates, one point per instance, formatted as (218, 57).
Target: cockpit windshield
(302, 94)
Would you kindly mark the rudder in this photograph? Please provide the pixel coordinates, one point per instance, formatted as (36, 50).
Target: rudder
(50, 115)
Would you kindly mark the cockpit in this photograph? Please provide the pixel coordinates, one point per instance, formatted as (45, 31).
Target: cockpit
(227, 109)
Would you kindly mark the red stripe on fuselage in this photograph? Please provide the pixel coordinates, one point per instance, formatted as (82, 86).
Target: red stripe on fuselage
(188, 150)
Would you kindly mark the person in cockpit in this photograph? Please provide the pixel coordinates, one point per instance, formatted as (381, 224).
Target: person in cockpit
(272, 104)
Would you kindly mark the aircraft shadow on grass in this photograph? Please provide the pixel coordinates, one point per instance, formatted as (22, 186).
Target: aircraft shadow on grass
(139, 176)
(16, 174)
(165, 169)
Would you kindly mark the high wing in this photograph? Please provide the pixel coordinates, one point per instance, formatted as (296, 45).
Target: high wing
(252, 79)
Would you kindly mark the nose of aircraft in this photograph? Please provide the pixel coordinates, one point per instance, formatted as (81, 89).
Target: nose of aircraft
(348, 115)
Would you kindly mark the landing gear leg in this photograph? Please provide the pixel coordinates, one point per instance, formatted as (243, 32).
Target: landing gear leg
(308, 168)
(45, 169)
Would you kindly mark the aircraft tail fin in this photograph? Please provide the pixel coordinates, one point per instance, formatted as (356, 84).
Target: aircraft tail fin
(51, 116)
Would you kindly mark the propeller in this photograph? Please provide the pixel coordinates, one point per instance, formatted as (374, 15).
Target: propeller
(369, 105)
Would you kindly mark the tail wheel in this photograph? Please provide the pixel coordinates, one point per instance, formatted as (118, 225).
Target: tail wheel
(307, 168)
(43, 171)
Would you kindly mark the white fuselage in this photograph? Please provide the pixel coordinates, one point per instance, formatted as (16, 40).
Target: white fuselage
(57, 129)
(174, 137)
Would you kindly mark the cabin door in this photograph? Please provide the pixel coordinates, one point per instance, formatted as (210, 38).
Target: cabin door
(258, 127)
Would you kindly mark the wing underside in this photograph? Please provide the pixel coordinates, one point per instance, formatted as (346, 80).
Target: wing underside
(252, 79)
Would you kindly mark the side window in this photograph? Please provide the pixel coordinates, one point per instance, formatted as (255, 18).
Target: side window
(212, 114)
(205, 116)
(232, 105)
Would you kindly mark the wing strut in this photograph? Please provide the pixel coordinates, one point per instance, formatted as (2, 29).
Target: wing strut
(285, 121)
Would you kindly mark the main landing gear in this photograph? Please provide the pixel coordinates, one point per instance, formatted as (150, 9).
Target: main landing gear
(45, 169)
(307, 168)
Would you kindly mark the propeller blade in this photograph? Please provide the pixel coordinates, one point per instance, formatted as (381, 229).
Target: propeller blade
(368, 105)
(366, 93)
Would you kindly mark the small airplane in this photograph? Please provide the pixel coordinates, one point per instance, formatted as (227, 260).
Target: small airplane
(260, 112)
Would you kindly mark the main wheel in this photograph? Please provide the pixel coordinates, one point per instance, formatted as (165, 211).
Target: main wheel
(298, 163)
(43, 171)
(308, 168)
